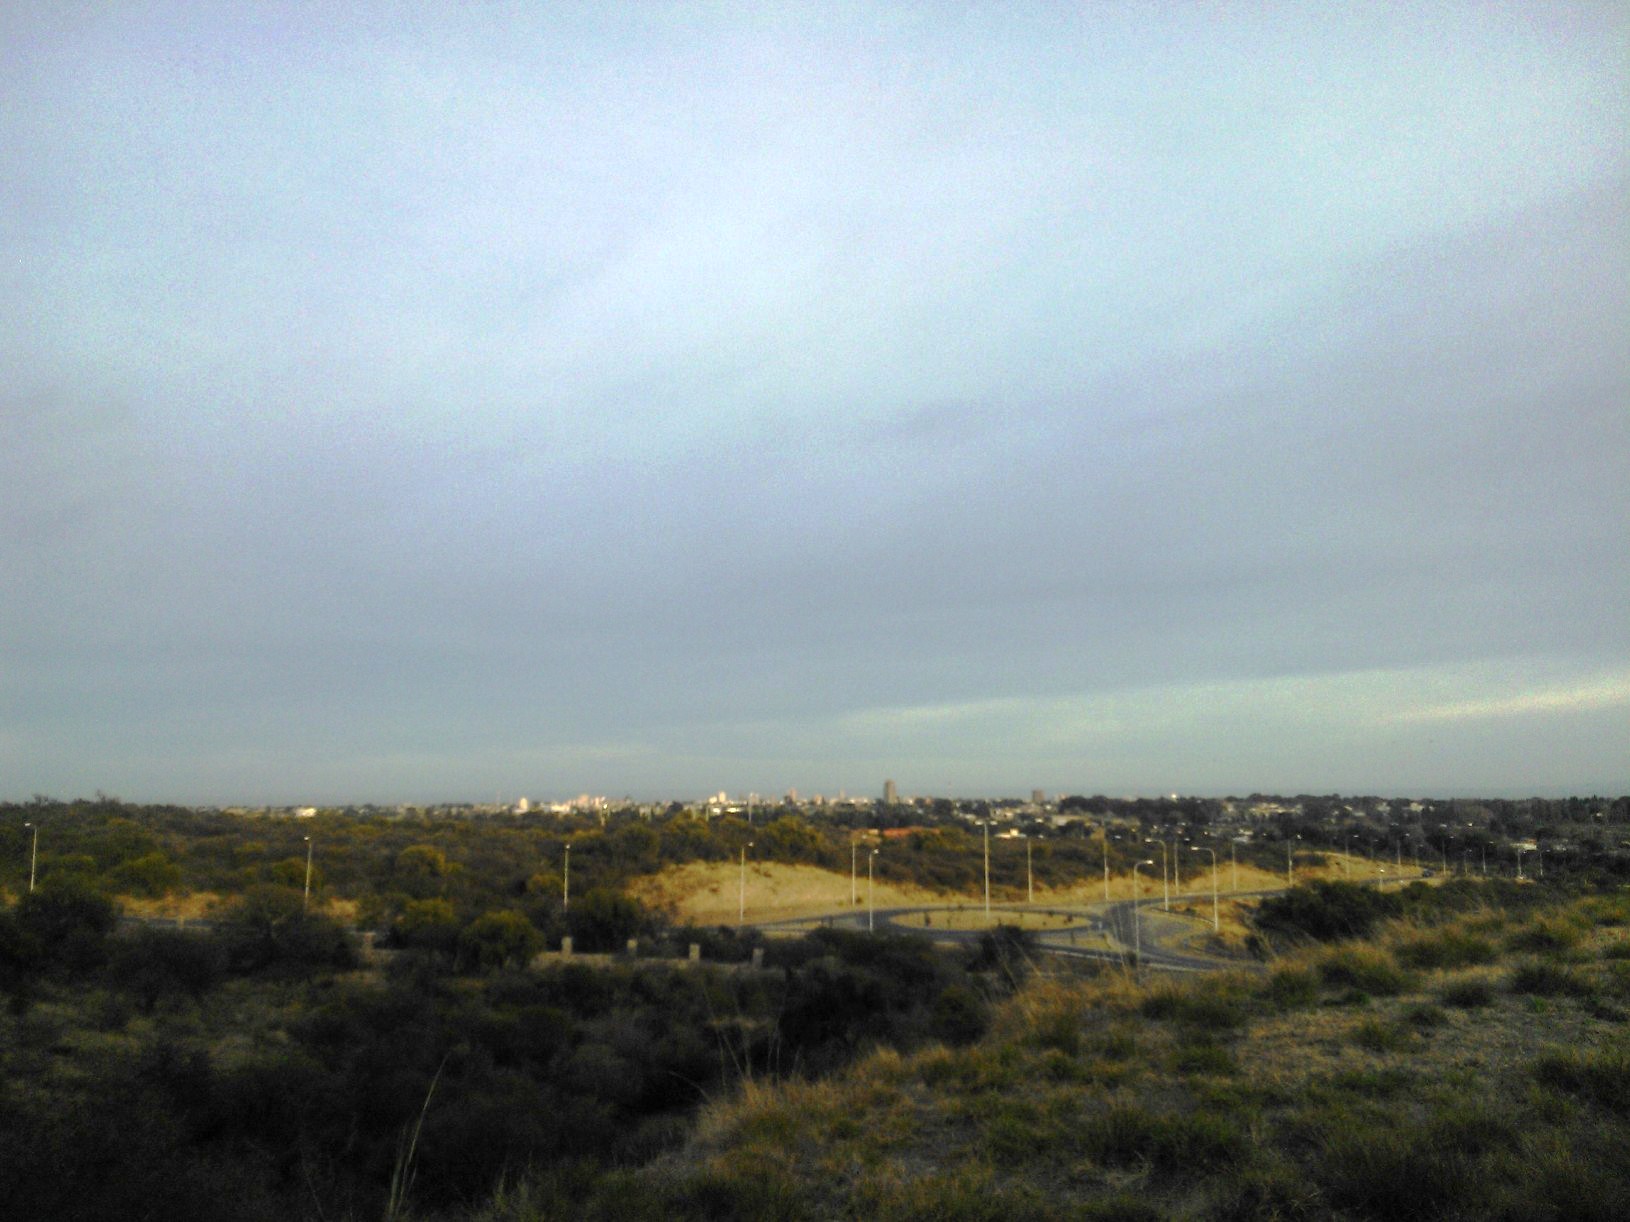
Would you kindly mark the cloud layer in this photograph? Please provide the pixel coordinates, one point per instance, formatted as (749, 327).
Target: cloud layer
(653, 402)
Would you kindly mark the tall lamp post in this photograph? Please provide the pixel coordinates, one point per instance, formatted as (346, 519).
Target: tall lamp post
(305, 900)
(854, 894)
(871, 903)
(1106, 860)
(1216, 920)
(741, 912)
(566, 880)
(1029, 875)
(1165, 876)
(33, 854)
(987, 871)
(1137, 923)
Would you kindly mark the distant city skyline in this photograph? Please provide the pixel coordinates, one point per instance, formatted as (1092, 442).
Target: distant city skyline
(633, 399)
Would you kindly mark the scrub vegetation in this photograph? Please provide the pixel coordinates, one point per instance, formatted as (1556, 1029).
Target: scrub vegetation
(1468, 1058)
(1455, 1051)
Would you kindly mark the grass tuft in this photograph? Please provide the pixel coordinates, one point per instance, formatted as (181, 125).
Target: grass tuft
(1600, 1076)
(1367, 969)
(1468, 994)
(1542, 978)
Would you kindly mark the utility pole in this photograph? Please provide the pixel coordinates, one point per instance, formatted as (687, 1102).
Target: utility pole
(1165, 876)
(1105, 830)
(987, 870)
(1029, 875)
(871, 902)
(566, 880)
(1137, 922)
(741, 914)
(33, 855)
(1216, 920)
(305, 900)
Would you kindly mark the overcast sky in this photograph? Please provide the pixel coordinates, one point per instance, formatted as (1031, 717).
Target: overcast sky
(437, 401)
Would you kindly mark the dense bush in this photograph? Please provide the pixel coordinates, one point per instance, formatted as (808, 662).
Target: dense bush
(152, 964)
(1327, 911)
(270, 930)
(68, 923)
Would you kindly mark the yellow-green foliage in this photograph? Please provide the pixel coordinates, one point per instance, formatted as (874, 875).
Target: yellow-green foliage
(1241, 1095)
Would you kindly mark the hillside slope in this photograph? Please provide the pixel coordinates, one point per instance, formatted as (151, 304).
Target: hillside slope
(1476, 1067)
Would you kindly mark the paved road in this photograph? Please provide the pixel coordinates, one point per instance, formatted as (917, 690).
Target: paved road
(1113, 921)
(1161, 934)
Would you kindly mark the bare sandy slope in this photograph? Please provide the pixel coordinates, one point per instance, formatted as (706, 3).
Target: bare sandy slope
(709, 893)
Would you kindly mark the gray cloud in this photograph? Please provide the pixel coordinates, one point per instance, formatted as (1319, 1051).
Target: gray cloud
(527, 400)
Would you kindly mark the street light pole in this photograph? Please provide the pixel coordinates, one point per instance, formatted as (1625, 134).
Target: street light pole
(987, 871)
(305, 900)
(854, 894)
(1216, 920)
(33, 855)
(566, 880)
(1029, 875)
(1137, 922)
(871, 903)
(741, 914)
(1105, 830)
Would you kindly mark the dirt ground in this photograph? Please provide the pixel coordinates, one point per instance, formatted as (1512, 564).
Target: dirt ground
(710, 893)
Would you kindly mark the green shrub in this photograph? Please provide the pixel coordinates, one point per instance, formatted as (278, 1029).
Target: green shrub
(497, 939)
(1378, 1035)
(1425, 1017)
(1327, 911)
(1381, 1170)
(1601, 1076)
(750, 1192)
(1127, 1133)
(1540, 978)
(1196, 1005)
(153, 964)
(1468, 994)
(1544, 936)
(1290, 988)
(1204, 1058)
(1365, 968)
(69, 922)
(1447, 948)
(1374, 1083)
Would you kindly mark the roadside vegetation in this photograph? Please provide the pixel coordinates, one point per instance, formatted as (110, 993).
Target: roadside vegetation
(1466, 1057)
(403, 1042)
